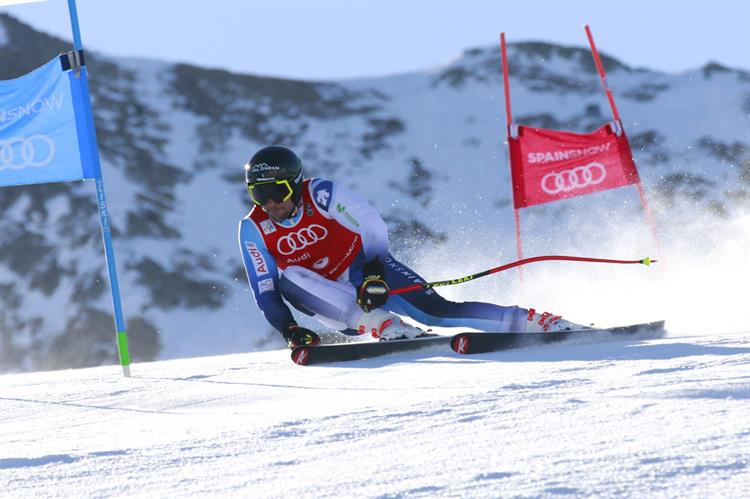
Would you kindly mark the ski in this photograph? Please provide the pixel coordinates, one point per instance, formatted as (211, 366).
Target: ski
(468, 343)
(321, 354)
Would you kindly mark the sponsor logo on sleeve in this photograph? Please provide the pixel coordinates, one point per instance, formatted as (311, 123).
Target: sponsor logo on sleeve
(265, 285)
(322, 194)
(348, 216)
(259, 263)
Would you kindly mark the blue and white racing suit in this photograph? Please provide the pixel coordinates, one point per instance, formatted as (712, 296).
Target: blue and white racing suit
(314, 261)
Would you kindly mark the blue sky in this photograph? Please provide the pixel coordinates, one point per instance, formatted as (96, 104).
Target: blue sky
(354, 38)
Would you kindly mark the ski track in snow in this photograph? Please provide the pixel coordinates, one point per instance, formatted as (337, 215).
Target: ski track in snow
(659, 418)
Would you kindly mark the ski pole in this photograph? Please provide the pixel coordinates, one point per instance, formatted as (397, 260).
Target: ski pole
(427, 285)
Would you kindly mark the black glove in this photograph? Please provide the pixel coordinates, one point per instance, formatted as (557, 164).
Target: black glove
(298, 336)
(373, 292)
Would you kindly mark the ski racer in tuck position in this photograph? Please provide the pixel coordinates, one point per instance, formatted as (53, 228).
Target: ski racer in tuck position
(324, 250)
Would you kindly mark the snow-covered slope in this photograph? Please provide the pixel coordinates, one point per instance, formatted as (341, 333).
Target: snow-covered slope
(662, 418)
(425, 148)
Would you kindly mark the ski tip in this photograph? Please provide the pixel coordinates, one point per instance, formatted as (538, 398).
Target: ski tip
(648, 261)
(460, 343)
(300, 356)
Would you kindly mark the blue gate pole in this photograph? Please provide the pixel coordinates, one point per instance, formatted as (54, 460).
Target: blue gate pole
(122, 337)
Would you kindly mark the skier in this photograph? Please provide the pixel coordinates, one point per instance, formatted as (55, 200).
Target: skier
(324, 250)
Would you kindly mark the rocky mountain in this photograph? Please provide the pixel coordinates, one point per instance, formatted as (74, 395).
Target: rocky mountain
(425, 147)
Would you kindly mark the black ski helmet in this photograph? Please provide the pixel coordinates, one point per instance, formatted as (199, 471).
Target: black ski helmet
(274, 172)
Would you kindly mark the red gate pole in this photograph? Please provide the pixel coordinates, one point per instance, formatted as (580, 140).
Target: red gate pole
(506, 83)
(602, 75)
(616, 115)
(508, 122)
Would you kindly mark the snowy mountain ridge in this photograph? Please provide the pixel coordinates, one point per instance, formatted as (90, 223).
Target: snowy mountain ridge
(425, 148)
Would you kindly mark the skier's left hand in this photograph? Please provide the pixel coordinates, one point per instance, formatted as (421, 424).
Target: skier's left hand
(373, 292)
(299, 336)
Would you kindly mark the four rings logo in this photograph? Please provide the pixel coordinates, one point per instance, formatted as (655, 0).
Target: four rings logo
(18, 153)
(575, 178)
(301, 239)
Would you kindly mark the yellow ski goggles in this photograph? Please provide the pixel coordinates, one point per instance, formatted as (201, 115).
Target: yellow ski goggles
(278, 190)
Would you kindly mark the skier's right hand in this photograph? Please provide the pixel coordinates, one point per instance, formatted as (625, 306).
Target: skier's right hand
(297, 336)
(373, 292)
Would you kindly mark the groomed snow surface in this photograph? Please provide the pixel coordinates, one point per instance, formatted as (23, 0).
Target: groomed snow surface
(644, 419)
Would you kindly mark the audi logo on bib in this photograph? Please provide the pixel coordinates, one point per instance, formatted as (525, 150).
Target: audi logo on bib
(301, 239)
(575, 178)
(18, 153)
